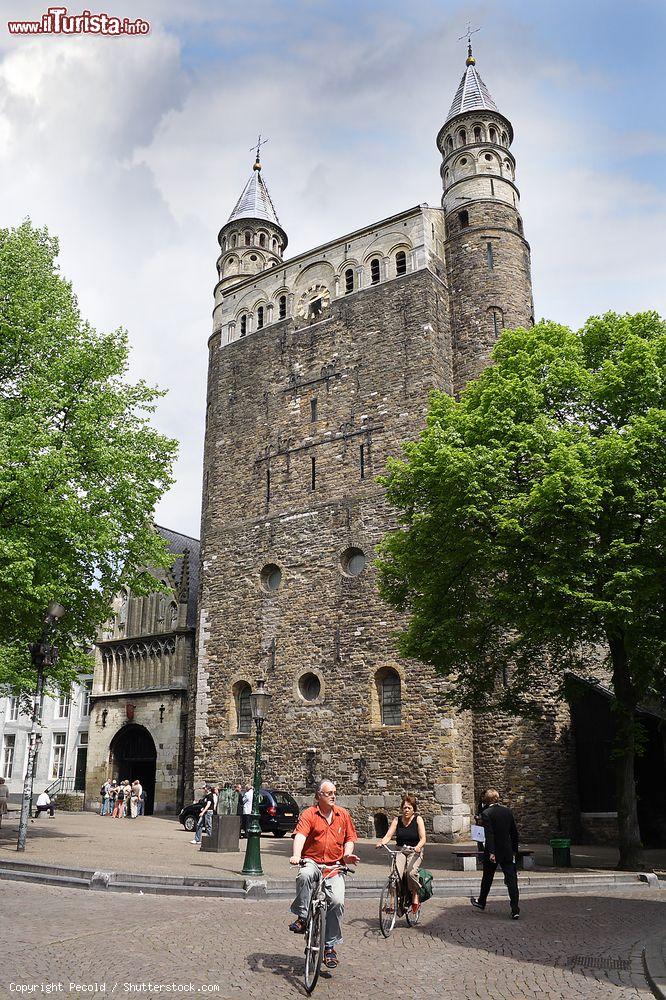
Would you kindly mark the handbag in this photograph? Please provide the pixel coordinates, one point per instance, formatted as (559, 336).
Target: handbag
(425, 884)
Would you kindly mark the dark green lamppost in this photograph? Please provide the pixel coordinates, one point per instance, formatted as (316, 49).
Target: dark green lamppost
(43, 655)
(259, 703)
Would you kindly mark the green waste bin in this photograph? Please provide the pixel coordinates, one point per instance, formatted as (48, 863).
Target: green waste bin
(561, 852)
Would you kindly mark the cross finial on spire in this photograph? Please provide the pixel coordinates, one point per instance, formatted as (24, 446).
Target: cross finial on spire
(260, 142)
(468, 35)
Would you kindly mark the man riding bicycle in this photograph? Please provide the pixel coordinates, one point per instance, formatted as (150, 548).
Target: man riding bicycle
(325, 834)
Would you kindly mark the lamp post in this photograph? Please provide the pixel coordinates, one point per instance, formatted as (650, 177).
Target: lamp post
(43, 655)
(259, 704)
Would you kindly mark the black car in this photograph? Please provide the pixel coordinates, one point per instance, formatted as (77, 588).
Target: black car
(278, 812)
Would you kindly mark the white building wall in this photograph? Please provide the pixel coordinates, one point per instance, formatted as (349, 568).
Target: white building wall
(74, 726)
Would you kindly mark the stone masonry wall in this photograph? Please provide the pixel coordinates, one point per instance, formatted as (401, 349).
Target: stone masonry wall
(369, 363)
(478, 290)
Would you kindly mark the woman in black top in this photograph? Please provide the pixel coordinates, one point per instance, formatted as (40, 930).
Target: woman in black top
(409, 831)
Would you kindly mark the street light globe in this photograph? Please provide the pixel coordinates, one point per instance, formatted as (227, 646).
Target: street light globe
(259, 700)
(55, 610)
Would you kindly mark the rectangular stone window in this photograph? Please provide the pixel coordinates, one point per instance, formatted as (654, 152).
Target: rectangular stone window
(282, 306)
(58, 764)
(313, 409)
(489, 256)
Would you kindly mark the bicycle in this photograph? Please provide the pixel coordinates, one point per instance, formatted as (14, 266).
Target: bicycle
(315, 922)
(396, 897)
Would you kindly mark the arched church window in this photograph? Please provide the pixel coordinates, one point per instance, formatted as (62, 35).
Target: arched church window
(505, 141)
(282, 307)
(173, 615)
(274, 244)
(243, 325)
(519, 223)
(374, 271)
(248, 239)
(349, 280)
(463, 218)
(260, 317)
(262, 240)
(462, 136)
(390, 696)
(477, 133)
(242, 692)
(401, 262)
(234, 240)
(449, 143)
(493, 134)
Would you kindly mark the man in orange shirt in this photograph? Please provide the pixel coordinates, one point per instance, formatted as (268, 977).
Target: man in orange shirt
(324, 834)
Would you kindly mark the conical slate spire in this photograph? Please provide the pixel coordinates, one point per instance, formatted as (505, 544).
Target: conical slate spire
(472, 94)
(255, 201)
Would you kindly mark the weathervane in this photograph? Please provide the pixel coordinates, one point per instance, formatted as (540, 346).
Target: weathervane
(468, 35)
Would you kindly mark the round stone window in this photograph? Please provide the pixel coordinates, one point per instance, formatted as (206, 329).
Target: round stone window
(488, 156)
(253, 256)
(353, 561)
(271, 577)
(309, 687)
(463, 161)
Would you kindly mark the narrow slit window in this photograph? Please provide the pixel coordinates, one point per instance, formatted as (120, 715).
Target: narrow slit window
(492, 186)
(489, 256)
(313, 473)
(282, 307)
(260, 317)
(243, 325)
(313, 409)
(401, 262)
(477, 134)
(349, 280)
(361, 455)
(268, 485)
(374, 271)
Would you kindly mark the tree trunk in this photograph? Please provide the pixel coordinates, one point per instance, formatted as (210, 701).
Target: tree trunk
(631, 848)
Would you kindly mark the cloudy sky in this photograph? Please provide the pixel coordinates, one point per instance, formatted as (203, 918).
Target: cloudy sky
(133, 151)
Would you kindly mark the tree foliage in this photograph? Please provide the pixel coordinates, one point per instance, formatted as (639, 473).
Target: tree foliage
(81, 469)
(532, 518)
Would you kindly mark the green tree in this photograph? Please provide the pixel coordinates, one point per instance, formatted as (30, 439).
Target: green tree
(532, 519)
(81, 469)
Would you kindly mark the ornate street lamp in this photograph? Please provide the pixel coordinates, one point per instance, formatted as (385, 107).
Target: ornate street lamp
(259, 700)
(43, 655)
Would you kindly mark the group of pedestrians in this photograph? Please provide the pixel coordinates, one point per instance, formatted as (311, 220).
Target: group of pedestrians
(122, 800)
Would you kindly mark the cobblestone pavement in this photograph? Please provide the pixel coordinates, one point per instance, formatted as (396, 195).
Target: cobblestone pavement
(158, 845)
(53, 935)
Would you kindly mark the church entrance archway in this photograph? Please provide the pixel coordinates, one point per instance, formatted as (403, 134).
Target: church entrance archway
(133, 755)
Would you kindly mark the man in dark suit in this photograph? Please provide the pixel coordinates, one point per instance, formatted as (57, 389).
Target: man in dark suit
(500, 849)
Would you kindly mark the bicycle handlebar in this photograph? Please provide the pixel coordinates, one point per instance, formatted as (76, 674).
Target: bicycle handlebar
(401, 850)
(331, 865)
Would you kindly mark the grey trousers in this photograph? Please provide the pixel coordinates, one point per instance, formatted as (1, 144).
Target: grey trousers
(335, 896)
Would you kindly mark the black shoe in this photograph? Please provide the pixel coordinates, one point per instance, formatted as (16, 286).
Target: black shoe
(515, 914)
(479, 906)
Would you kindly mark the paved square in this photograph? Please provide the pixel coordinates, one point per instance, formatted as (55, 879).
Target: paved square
(66, 935)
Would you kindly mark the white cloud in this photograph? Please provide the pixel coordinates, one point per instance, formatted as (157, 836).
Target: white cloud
(136, 161)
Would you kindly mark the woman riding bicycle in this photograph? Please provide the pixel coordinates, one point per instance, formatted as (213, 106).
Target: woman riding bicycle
(409, 831)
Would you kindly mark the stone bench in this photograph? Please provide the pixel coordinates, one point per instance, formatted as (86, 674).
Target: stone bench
(466, 860)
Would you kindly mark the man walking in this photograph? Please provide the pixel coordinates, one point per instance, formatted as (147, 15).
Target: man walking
(324, 834)
(500, 849)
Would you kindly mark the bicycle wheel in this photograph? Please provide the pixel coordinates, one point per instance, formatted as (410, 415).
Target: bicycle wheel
(388, 907)
(412, 918)
(314, 945)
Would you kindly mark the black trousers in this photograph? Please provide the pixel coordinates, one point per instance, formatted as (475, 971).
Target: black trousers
(510, 881)
(43, 809)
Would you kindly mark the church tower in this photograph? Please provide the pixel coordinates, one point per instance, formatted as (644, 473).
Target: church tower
(252, 239)
(487, 256)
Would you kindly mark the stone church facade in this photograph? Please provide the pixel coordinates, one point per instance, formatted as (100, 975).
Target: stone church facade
(139, 698)
(320, 367)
